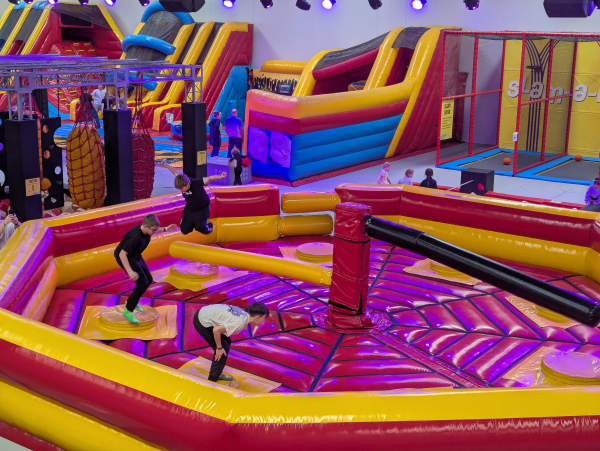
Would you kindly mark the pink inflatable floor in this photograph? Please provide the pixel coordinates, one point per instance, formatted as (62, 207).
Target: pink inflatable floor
(443, 334)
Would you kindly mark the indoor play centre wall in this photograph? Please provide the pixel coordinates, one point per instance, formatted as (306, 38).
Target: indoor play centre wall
(53, 381)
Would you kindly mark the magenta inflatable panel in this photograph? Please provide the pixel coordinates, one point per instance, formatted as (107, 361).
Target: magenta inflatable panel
(441, 334)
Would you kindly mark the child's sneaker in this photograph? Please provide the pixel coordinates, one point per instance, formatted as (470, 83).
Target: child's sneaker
(132, 319)
(209, 228)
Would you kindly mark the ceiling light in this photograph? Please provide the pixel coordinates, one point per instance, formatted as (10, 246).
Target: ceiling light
(418, 4)
(471, 4)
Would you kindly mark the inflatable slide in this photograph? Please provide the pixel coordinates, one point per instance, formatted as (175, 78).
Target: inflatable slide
(328, 124)
(9, 20)
(64, 29)
(223, 50)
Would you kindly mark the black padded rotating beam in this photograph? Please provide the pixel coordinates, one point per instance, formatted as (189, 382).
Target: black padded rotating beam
(23, 165)
(118, 156)
(541, 293)
(193, 136)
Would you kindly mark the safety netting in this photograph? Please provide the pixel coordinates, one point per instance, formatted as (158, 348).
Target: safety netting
(509, 99)
(85, 160)
(142, 146)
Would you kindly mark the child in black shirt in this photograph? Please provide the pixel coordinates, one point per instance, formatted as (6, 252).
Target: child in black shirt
(429, 181)
(197, 204)
(129, 257)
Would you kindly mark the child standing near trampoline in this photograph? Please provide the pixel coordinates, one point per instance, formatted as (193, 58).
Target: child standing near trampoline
(383, 177)
(429, 181)
(197, 203)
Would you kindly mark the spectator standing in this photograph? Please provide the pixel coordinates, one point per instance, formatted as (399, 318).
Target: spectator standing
(408, 176)
(429, 182)
(214, 136)
(235, 162)
(383, 178)
(235, 130)
(99, 95)
(88, 98)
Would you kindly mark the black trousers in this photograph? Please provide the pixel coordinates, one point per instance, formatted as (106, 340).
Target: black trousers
(138, 265)
(216, 369)
(195, 219)
(233, 142)
(238, 178)
(216, 147)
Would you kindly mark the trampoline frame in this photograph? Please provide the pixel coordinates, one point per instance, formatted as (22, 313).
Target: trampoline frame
(504, 36)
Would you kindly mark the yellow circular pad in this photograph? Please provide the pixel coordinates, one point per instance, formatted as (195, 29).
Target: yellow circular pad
(571, 368)
(194, 271)
(315, 252)
(112, 318)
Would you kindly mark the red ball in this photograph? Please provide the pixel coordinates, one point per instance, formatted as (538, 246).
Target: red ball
(577, 157)
(506, 161)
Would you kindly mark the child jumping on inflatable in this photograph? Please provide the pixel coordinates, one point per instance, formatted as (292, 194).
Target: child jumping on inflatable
(129, 257)
(197, 204)
(217, 322)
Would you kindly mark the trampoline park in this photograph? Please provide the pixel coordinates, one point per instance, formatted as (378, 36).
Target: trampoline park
(393, 316)
(538, 101)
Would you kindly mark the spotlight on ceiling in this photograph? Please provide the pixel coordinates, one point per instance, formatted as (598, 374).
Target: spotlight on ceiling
(471, 4)
(328, 4)
(418, 4)
(110, 2)
(144, 3)
(376, 4)
(228, 3)
(82, 2)
(53, 2)
(14, 2)
(303, 5)
(596, 4)
(29, 2)
(267, 3)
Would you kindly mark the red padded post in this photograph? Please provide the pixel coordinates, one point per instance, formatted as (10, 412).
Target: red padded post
(350, 277)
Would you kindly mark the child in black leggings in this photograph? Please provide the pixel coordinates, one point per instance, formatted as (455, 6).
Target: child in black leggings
(197, 204)
(129, 257)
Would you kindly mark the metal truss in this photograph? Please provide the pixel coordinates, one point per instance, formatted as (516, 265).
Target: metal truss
(20, 75)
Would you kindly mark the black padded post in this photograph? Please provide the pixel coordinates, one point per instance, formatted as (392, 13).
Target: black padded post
(118, 156)
(3, 162)
(23, 167)
(52, 163)
(193, 136)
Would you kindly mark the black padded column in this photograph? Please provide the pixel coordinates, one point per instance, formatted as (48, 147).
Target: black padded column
(193, 135)
(23, 166)
(3, 162)
(118, 156)
(52, 163)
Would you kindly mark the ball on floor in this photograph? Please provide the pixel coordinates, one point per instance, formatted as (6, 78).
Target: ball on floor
(506, 161)
(577, 157)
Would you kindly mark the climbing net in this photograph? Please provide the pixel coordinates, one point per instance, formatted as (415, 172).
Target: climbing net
(143, 151)
(85, 160)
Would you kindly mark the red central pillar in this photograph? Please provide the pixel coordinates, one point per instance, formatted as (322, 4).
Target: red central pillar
(350, 277)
